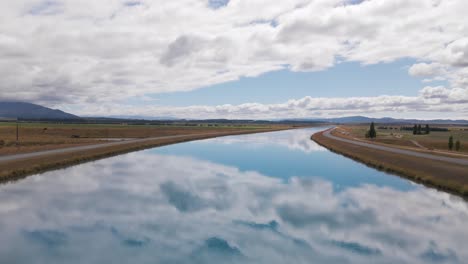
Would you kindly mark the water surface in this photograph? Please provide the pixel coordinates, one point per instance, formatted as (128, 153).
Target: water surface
(264, 198)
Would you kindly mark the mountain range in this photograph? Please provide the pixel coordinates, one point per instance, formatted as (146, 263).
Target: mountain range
(29, 111)
(22, 110)
(385, 120)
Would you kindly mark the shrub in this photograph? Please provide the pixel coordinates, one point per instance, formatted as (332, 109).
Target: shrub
(9, 143)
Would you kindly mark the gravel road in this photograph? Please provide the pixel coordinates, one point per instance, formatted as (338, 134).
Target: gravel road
(89, 147)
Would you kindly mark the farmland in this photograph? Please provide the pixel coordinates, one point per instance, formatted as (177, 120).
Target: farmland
(45, 136)
(392, 135)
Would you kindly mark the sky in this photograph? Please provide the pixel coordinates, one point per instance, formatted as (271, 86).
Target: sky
(257, 59)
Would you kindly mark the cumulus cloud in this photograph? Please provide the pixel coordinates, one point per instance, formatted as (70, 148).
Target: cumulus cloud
(425, 69)
(69, 53)
(447, 96)
(429, 99)
(457, 52)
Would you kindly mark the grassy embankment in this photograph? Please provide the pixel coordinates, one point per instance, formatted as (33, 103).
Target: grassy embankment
(441, 175)
(44, 136)
(33, 138)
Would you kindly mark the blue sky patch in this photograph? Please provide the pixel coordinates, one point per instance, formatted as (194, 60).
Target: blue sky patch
(46, 8)
(354, 2)
(215, 4)
(132, 3)
(357, 248)
(48, 238)
(346, 79)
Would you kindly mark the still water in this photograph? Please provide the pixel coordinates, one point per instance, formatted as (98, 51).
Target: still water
(264, 198)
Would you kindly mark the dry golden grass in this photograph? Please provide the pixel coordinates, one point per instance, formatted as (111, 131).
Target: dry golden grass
(16, 169)
(45, 136)
(442, 175)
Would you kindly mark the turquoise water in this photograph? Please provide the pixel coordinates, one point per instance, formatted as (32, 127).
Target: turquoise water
(264, 198)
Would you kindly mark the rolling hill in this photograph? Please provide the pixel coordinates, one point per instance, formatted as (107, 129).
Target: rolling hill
(383, 120)
(22, 110)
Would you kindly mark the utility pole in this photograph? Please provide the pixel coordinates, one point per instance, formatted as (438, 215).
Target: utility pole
(17, 133)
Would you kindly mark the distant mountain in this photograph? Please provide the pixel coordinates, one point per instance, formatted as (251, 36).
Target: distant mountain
(23, 110)
(28, 111)
(385, 120)
(140, 117)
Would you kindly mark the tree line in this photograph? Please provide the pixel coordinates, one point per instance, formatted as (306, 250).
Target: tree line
(412, 128)
(418, 130)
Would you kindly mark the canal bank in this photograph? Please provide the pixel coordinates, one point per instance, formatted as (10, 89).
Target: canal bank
(15, 167)
(443, 175)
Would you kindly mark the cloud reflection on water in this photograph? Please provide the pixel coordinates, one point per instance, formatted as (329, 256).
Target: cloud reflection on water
(298, 139)
(145, 207)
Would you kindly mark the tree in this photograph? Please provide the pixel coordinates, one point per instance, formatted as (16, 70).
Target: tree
(428, 130)
(419, 129)
(457, 145)
(367, 134)
(450, 143)
(415, 129)
(372, 132)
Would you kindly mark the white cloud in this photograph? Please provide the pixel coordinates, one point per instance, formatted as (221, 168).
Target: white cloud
(447, 96)
(426, 70)
(294, 140)
(430, 99)
(457, 52)
(82, 53)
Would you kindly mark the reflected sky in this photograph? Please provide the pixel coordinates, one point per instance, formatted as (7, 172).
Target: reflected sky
(186, 204)
(283, 155)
